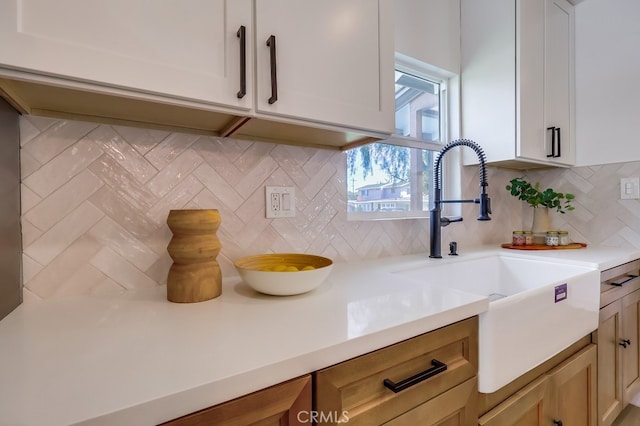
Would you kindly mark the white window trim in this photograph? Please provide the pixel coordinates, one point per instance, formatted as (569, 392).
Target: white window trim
(450, 130)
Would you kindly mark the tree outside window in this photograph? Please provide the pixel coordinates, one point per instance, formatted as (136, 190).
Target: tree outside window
(388, 177)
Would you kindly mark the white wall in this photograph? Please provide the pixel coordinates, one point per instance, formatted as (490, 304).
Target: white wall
(607, 86)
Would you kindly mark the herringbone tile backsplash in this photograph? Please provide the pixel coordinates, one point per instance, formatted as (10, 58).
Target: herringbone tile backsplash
(95, 199)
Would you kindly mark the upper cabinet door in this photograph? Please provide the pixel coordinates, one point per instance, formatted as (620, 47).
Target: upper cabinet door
(332, 60)
(559, 81)
(187, 49)
(517, 81)
(546, 81)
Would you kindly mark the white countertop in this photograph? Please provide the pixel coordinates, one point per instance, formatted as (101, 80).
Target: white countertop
(138, 359)
(601, 258)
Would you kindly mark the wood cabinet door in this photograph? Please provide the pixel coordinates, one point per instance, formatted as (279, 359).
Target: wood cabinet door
(455, 407)
(287, 403)
(610, 395)
(333, 61)
(524, 408)
(630, 348)
(187, 49)
(572, 387)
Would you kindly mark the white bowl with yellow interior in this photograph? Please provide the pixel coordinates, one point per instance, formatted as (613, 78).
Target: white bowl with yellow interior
(284, 274)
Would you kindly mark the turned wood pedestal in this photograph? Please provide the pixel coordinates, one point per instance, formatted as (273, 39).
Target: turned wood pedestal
(195, 274)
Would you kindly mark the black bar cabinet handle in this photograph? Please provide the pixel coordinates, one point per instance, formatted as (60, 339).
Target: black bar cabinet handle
(437, 368)
(553, 142)
(242, 35)
(624, 280)
(557, 422)
(271, 42)
(624, 343)
(559, 141)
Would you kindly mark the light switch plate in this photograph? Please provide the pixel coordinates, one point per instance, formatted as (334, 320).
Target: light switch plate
(280, 201)
(630, 188)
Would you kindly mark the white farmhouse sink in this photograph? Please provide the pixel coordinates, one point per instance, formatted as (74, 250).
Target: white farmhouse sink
(537, 308)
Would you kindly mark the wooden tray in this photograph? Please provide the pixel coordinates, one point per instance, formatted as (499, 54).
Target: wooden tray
(544, 247)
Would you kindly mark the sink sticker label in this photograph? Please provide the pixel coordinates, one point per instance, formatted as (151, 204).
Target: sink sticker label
(561, 292)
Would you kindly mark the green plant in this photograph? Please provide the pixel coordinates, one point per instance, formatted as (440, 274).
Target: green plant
(532, 194)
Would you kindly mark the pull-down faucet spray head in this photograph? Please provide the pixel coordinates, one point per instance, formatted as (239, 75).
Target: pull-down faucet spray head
(485, 205)
(435, 213)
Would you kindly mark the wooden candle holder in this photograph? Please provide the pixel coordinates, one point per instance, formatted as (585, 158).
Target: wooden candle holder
(195, 274)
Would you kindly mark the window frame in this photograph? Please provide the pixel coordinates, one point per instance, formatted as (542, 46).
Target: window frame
(443, 81)
(449, 105)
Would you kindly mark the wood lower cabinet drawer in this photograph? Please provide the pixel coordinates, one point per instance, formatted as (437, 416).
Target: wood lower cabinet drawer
(287, 403)
(355, 388)
(455, 407)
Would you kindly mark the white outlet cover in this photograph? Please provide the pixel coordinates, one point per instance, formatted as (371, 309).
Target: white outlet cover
(286, 197)
(630, 188)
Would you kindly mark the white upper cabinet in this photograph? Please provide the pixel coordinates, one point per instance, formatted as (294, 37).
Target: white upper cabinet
(333, 61)
(329, 65)
(517, 78)
(607, 70)
(187, 49)
(438, 22)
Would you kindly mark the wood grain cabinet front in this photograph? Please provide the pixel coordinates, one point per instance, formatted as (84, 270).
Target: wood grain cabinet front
(406, 383)
(618, 339)
(287, 403)
(563, 396)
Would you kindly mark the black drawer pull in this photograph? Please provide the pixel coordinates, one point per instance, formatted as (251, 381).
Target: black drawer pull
(242, 35)
(556, 142)
(438, 367)
(623, 280)
(557, 422)
(624, 343)
(553, 142)
(271, 42)
(559, 142)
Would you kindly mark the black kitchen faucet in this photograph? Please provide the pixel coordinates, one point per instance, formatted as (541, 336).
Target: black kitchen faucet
(436, 221)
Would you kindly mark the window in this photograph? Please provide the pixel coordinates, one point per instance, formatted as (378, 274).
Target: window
(417, 107)
(392, 180)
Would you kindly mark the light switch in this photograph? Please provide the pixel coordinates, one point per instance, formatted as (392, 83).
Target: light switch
(630, 188)
(286, 201)
(280, 201)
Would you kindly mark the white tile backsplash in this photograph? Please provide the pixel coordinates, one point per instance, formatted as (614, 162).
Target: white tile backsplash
(63, 201)
(62, 234)
(600, 217)
(55, 173)
(96, 201)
